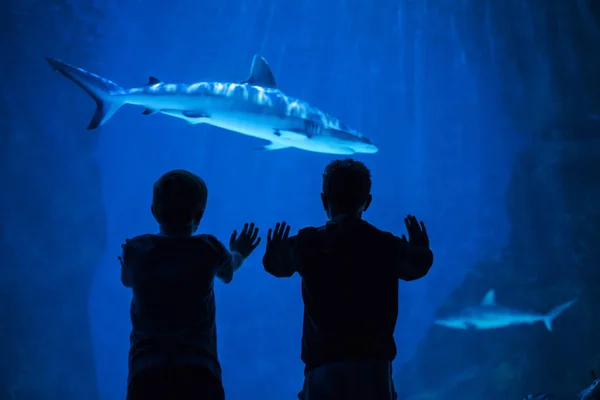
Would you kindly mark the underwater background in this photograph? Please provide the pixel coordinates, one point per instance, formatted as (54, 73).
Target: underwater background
(487, 118)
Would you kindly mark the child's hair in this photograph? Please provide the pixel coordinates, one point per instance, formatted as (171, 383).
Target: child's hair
(347, 184)
(179, 198)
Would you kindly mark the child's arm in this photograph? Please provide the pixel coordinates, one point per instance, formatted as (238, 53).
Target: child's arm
(231, 262)
(413, 261)
(280, 259)
(414, 255)
(241, 247)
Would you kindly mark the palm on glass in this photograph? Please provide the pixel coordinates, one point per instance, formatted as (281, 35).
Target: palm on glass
(246, 242)
(278, 235)
(417, 234)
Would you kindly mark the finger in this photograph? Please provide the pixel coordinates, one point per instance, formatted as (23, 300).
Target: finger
(254, 235)
(407, 223)
(233, 236)
(250, 229)
(414, 222)
(281, 228)
(269, 232)
(286, 233)
(423, 228)
(404, 238)
(244, 230)
(255, 245)
(411, 219)
(284, 226)
(276, 231)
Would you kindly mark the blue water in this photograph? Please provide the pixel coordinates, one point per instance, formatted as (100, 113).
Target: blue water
(446, 149)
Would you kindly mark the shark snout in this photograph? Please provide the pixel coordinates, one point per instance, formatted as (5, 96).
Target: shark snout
(366, 146)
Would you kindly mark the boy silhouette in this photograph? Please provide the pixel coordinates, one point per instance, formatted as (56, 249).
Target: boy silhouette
(350, 272)
(173, 353)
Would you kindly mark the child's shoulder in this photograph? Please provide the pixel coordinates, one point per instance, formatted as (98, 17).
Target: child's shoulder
(210, 240)
(141, 242)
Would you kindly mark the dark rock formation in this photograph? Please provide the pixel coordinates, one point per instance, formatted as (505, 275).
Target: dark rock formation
(53, 226)
(545, 56)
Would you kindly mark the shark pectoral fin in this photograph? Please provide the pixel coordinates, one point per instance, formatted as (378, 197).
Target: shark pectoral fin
(260, 74)
(149, 111)
(195, 114)
(274, 146)
(153, 81)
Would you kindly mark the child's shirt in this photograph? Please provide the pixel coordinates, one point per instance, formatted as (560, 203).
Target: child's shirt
(350, 272)
(173, 304)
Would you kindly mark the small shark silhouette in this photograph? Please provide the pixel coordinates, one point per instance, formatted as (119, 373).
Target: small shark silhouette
(591, 392)
(489, 315)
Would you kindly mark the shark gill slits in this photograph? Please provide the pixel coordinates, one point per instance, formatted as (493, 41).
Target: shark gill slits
(311, 128)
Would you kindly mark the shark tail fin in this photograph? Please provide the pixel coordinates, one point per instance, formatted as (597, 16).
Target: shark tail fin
(100, 89)
(555, 312)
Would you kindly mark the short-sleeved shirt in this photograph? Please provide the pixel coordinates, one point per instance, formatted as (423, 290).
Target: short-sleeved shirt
(350, 272)
(173, 303)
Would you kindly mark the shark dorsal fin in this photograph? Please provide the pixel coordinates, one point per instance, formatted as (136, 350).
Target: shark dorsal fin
(152, 81)
(489, 299)
(260, 74)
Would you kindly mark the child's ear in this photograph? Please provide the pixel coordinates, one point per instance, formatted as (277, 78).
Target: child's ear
(198, 216)
(368, 202)
(324, 201)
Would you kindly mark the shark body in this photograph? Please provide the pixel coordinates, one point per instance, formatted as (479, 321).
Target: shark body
(489, 315)
(255, 107)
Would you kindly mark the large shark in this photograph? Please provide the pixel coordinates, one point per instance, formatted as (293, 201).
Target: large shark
(489, 315)
(255, 107)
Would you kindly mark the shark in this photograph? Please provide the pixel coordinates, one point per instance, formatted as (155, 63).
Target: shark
(489, 315)
(592, 392)
(254, 107)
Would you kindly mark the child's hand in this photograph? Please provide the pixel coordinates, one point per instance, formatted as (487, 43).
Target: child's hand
(281, 233)
(246, 242)
(123, 248)
(417, 234)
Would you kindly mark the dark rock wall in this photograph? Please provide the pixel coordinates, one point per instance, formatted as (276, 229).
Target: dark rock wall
(53, 225)
(544, 57)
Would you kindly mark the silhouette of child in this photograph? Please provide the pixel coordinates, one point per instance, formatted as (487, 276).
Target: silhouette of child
(350, 272)
(173, 353)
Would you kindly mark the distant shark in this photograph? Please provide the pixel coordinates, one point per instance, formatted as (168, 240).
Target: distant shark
(255, 107)
(592, 392)
(489, 315)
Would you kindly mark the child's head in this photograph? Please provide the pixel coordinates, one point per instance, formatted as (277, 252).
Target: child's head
(346, 188)
(178, 202)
